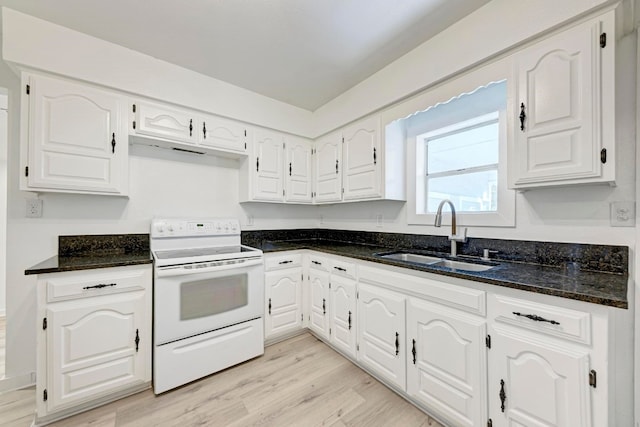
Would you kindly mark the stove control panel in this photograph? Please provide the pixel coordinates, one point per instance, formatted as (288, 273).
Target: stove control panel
(194, 227)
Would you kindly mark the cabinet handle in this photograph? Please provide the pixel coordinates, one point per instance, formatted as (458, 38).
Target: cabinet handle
(137, 340)
(374, 155)
(269, 305)
(113, 143)
(100, 286)
(324, 307)
(340, 268)
(536, 318)
(523, 116)
(349, 320)
(257, 164)
(316, 262)
(190, 127)
(503, 395)
(289, 168)
(413, 351)
(204, 130)
(397, 343)
(285, 262)
(337, 166)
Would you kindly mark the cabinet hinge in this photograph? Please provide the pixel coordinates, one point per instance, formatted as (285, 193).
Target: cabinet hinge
(45, 396)
(284, 145)
(329, 285)
(329, 331)
(302, 317)
(490, 423)
(343, 191)
(44, 323)
(134, 108)
(282, 193)
(487, 341)
(28, 89)
(302, 277)
(603, 156)
(245, 144)
(343, 139)
(134, 124)
(357, 347)
(26, 171)
(603, 40)
(357, 295)
(592, 378)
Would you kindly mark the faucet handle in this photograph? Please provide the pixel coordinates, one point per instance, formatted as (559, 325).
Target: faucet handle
(486, 252)
(461, 236)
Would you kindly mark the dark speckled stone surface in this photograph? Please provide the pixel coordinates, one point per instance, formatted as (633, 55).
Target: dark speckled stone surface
(592, 273)
(86, 252)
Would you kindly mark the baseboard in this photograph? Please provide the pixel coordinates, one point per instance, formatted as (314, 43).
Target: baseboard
(17, 382)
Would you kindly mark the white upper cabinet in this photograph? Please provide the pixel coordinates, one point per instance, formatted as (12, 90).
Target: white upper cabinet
(267, 168)
(77, 138)
(162, 121)
(298, 170)
(564, 129)
(224, 134)
(328, 168)
(362, 160)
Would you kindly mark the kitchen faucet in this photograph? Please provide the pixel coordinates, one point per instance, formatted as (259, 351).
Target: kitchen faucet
(454, 237)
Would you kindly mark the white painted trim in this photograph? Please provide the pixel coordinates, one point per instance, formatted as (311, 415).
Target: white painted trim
(636, 301)
(17, 382)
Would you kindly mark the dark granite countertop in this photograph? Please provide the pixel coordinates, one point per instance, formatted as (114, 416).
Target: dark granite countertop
(567, 281)
(85, 252)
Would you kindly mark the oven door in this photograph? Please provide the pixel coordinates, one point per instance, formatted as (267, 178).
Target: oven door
(192, 301)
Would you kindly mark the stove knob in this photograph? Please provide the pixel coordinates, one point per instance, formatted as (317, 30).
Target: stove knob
(159, 227)
(170, 228)
(234, 226)
(226, 227)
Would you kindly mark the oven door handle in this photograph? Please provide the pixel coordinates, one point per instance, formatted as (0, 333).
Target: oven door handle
(180, 270)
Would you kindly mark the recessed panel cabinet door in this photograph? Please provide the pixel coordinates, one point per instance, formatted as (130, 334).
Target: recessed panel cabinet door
(535, 384)
(283, 294)
(558, 133)
(448, 365)
(381, 333)
(362, 160)
(298, 170)
(328, 168)
(77, 138)
(342, 306)
(217, 132)
(164, 122)
(268, 173)
(95, 346)
(319, 293)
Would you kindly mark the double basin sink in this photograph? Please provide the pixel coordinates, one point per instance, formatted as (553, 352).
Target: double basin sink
(436, 261)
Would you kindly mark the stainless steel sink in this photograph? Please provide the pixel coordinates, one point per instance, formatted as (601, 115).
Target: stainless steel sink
(436, 261)
(419, 259)
(461, 265)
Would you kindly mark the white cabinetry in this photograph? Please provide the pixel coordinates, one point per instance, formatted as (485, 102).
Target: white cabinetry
(161, 121)
(319, 297)
(328, 168)
(283, 294)
(219, 133)
(565, 131)
(267, 168)
(362, 160)
(342, 308)
(94, 343)
(381, 333)
(77, 137)
(298, 170)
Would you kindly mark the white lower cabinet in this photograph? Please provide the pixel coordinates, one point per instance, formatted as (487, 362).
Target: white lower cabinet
(94, 343)
(342, 307)
(283, 295)
(381, 333)
(319, 296)
(448, 367)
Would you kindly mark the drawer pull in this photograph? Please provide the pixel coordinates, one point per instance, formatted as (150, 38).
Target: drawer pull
(285, 262)
(349, 320)
(137, 340)
(100, 286)
(503, 395)
(316, 262)
(414, 352)
(397, 343)
(324, 306)
(536, 318)
(269, 305)
(340, 268)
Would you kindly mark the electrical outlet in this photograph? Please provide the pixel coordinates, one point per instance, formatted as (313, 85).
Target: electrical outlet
(34, 208)
(379, 220)
(623, 214)
(249, 219)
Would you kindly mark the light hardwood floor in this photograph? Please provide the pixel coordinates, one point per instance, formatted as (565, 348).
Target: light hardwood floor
(298, 382)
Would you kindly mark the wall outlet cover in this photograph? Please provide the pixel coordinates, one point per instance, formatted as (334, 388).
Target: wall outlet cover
(34, 208)
(623, 214)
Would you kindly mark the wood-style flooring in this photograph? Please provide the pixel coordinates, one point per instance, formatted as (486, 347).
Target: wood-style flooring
(298, 382)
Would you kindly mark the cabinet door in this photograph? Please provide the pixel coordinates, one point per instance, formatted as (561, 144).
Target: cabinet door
(217, 132)
(298, 170)
(342, 306)
(448, 366)
(283, 311)
(95, 346)
(362, 160)
(77, 138)
(268, 182)
(319, 294)
(559, 93)
(381, 333)
(328, 169)
(165, 122)
(533, 383)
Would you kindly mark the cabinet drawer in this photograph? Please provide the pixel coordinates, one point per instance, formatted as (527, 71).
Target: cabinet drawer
(319, 263)
(546, 319)
(64, 286)
(277, 262)
(342, 268)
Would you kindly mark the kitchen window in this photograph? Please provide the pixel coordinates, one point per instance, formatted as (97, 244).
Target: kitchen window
(457, 151)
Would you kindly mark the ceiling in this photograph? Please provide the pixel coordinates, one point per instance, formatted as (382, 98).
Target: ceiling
(302, 52)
